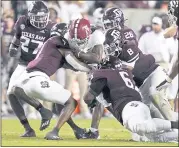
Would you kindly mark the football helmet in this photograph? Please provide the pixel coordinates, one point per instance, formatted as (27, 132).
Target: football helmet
(114, 42)
(38, 14)
(173, 12)
(59, 29)
(113, 17)
(79, 32)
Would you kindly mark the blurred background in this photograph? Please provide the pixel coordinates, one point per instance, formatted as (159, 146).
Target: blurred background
(140, 17)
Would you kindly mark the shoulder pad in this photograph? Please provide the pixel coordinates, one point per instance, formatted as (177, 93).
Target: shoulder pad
(60, 41)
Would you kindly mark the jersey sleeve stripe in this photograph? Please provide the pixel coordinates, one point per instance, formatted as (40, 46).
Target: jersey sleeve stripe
(134, 58)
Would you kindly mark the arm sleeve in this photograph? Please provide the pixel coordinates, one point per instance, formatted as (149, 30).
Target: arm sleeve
(97, 86)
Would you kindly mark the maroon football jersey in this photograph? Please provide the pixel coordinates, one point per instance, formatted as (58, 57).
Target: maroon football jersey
(129, 35)
(121, 88)
(145, 64)
(49, 59)
(31, 38)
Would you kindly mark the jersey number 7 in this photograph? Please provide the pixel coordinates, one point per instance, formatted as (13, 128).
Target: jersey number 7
(25, 44)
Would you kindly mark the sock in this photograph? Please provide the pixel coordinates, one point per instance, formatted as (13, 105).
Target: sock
(72, 124)
(93, 129)
(26, 124)
(39, 107)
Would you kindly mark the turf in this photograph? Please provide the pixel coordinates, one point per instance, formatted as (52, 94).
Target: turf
(111, 132)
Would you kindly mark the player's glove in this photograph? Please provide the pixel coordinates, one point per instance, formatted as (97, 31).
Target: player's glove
(164, 84)
(93, 103)
(13, 52)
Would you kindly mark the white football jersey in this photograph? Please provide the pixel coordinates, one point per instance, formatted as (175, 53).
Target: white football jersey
(96, 38)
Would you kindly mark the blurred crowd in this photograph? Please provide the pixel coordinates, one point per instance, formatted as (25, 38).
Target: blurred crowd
(64, 11)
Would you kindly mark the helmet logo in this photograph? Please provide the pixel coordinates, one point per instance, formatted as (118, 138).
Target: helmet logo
(22, 26)
(86, 28)
(115, 34)
(117, 13)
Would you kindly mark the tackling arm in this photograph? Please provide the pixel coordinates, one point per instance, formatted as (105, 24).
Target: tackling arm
(74, 62)
(95, 90)
(93, 56)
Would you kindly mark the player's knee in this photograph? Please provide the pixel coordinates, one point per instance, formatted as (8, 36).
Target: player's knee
(16, 90)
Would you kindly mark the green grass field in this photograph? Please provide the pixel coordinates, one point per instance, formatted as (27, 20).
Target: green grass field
(111, 132)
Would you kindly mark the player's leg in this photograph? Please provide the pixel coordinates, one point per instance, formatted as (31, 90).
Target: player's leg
(15, 104)
(66, 79)
(150, 94)
(136, 118)
(19, 112)
(79, 132)
(164, 136)
(93, 132)
(43, 88)
(172, 91)
(45, 113)
(66, 113)
(83, 86)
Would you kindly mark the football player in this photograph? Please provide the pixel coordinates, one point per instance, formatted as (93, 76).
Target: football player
(89, 49)
(172, 30)
(35, 80)
(146, 72)
(126, 102)
(112, 17)
(30, 33)
(60, 30)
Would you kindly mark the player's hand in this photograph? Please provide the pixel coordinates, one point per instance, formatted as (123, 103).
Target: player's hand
(163, 85)
(13, 52)
(92, 104)
(76, 52)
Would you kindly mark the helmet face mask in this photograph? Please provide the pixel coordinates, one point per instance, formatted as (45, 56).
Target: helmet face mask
(114, 42)
(108, 24)
(39, 21)
(38, 14)
(78, 44)
(113, 17)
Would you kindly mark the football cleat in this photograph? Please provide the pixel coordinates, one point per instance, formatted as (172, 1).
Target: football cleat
(46, 117)
(29, 133)
(80, 133)
(91, 135)
(53, 135)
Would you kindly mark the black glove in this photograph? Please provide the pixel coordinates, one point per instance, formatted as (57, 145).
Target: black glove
(13, 52)
(164, 84)
(93, 103)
